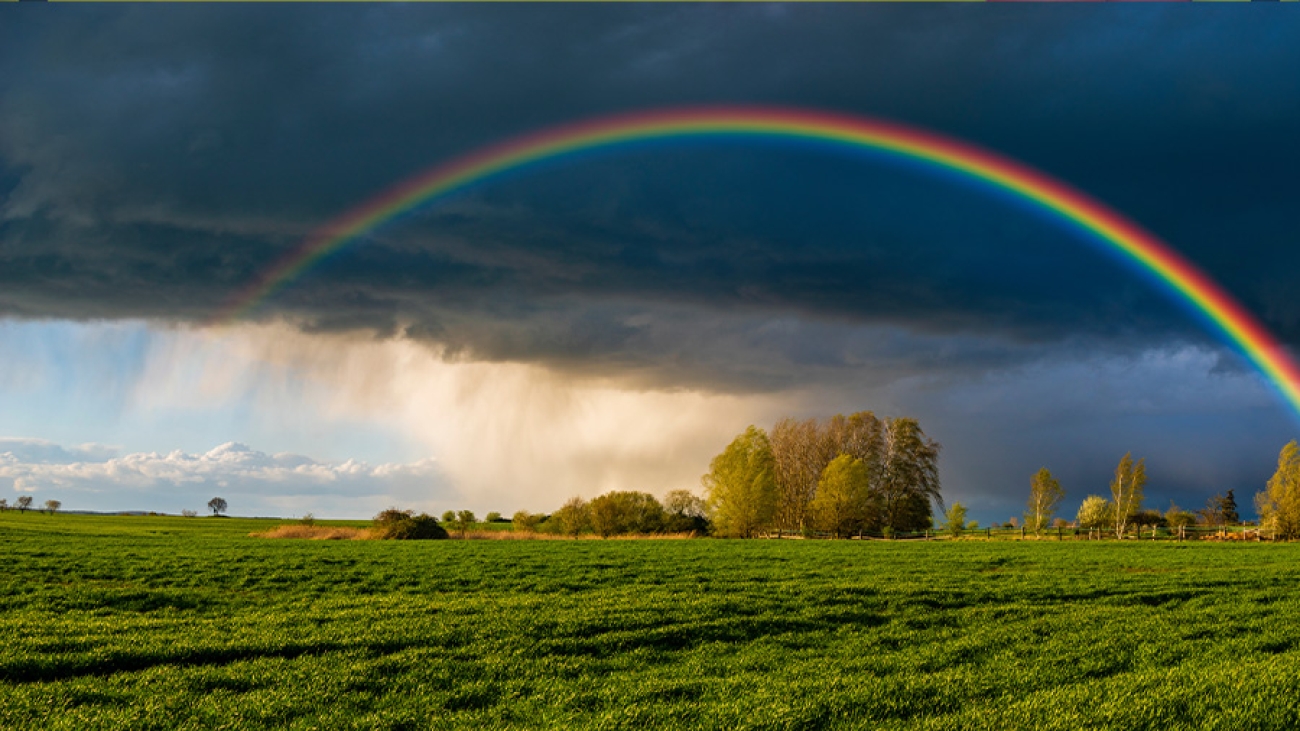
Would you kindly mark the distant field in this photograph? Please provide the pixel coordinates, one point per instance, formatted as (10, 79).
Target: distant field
(140, 622)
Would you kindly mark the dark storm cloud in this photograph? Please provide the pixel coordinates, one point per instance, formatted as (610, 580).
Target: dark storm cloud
(152, 162)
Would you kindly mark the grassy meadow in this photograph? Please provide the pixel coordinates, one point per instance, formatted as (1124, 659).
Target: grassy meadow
(157, 622)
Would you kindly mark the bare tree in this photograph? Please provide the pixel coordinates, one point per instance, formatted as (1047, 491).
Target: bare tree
(796, 453)
(217, 505)
(52, 506)
(23, 503)
(4, 505)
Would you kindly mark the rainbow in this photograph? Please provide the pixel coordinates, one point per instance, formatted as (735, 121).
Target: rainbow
(1067, 205)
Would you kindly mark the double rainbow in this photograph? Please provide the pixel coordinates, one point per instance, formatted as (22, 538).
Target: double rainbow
(1069, 206)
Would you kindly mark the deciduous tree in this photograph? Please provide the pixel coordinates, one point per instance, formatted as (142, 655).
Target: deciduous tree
(1045, 494)
(1095, 512)
(1279, 503)
(740, 486)
(1126, 491)
(217, 505)
(909, 470)
(572, 517)
(525, 522)
(685, 511)
(800, 451)
(465, 520)
(844, 504)
(955, 521)
(23, 503)
(621, 512)
(1176, 517)
(52, 506)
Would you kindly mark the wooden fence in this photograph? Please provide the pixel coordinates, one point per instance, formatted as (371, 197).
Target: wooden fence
(1232, 533)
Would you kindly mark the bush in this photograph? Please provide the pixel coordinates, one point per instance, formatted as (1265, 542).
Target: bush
(402, 525)
(525, 522)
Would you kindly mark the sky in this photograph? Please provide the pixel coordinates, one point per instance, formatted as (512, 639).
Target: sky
(612, 320)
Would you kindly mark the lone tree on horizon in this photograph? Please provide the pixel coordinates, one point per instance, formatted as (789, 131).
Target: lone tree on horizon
(217, 505)
(23, 503)
(1045, 494)
(1126, 491)
(52, 506)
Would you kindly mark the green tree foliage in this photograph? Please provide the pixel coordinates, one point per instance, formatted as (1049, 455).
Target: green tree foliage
(525, 522)
(684, 511)
(403, 525)
(1176, 517)
(622, 512)
(449, 516)
(909, 473)
(740, 486)
(1279, 503)
(955, 521)
(1045, 494)
(1095, 512)
(802, 449)
(1126, 491)
(901, 464)
(465, 519)
(1148, 518)
(572, 518)
(493, 517)
(843, 504)
(217, 505)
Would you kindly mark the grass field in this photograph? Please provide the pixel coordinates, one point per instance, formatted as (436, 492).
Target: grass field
(141, 622)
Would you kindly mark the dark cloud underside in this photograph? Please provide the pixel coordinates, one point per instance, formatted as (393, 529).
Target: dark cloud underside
(152, 163)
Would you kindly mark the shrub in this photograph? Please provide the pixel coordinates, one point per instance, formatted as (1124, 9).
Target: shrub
(402, 525)
(525, 522)
(956, 515)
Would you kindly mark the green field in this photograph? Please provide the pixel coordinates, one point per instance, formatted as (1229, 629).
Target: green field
(140, 622)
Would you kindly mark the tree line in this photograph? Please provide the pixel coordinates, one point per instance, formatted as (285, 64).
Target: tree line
(23, 503)
(1278, 504)
(845, 475)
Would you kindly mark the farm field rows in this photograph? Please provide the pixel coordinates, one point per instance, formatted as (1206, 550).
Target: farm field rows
(155, 622)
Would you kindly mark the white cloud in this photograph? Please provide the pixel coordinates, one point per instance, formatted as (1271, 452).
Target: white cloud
(253, 482)
(43, 451)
